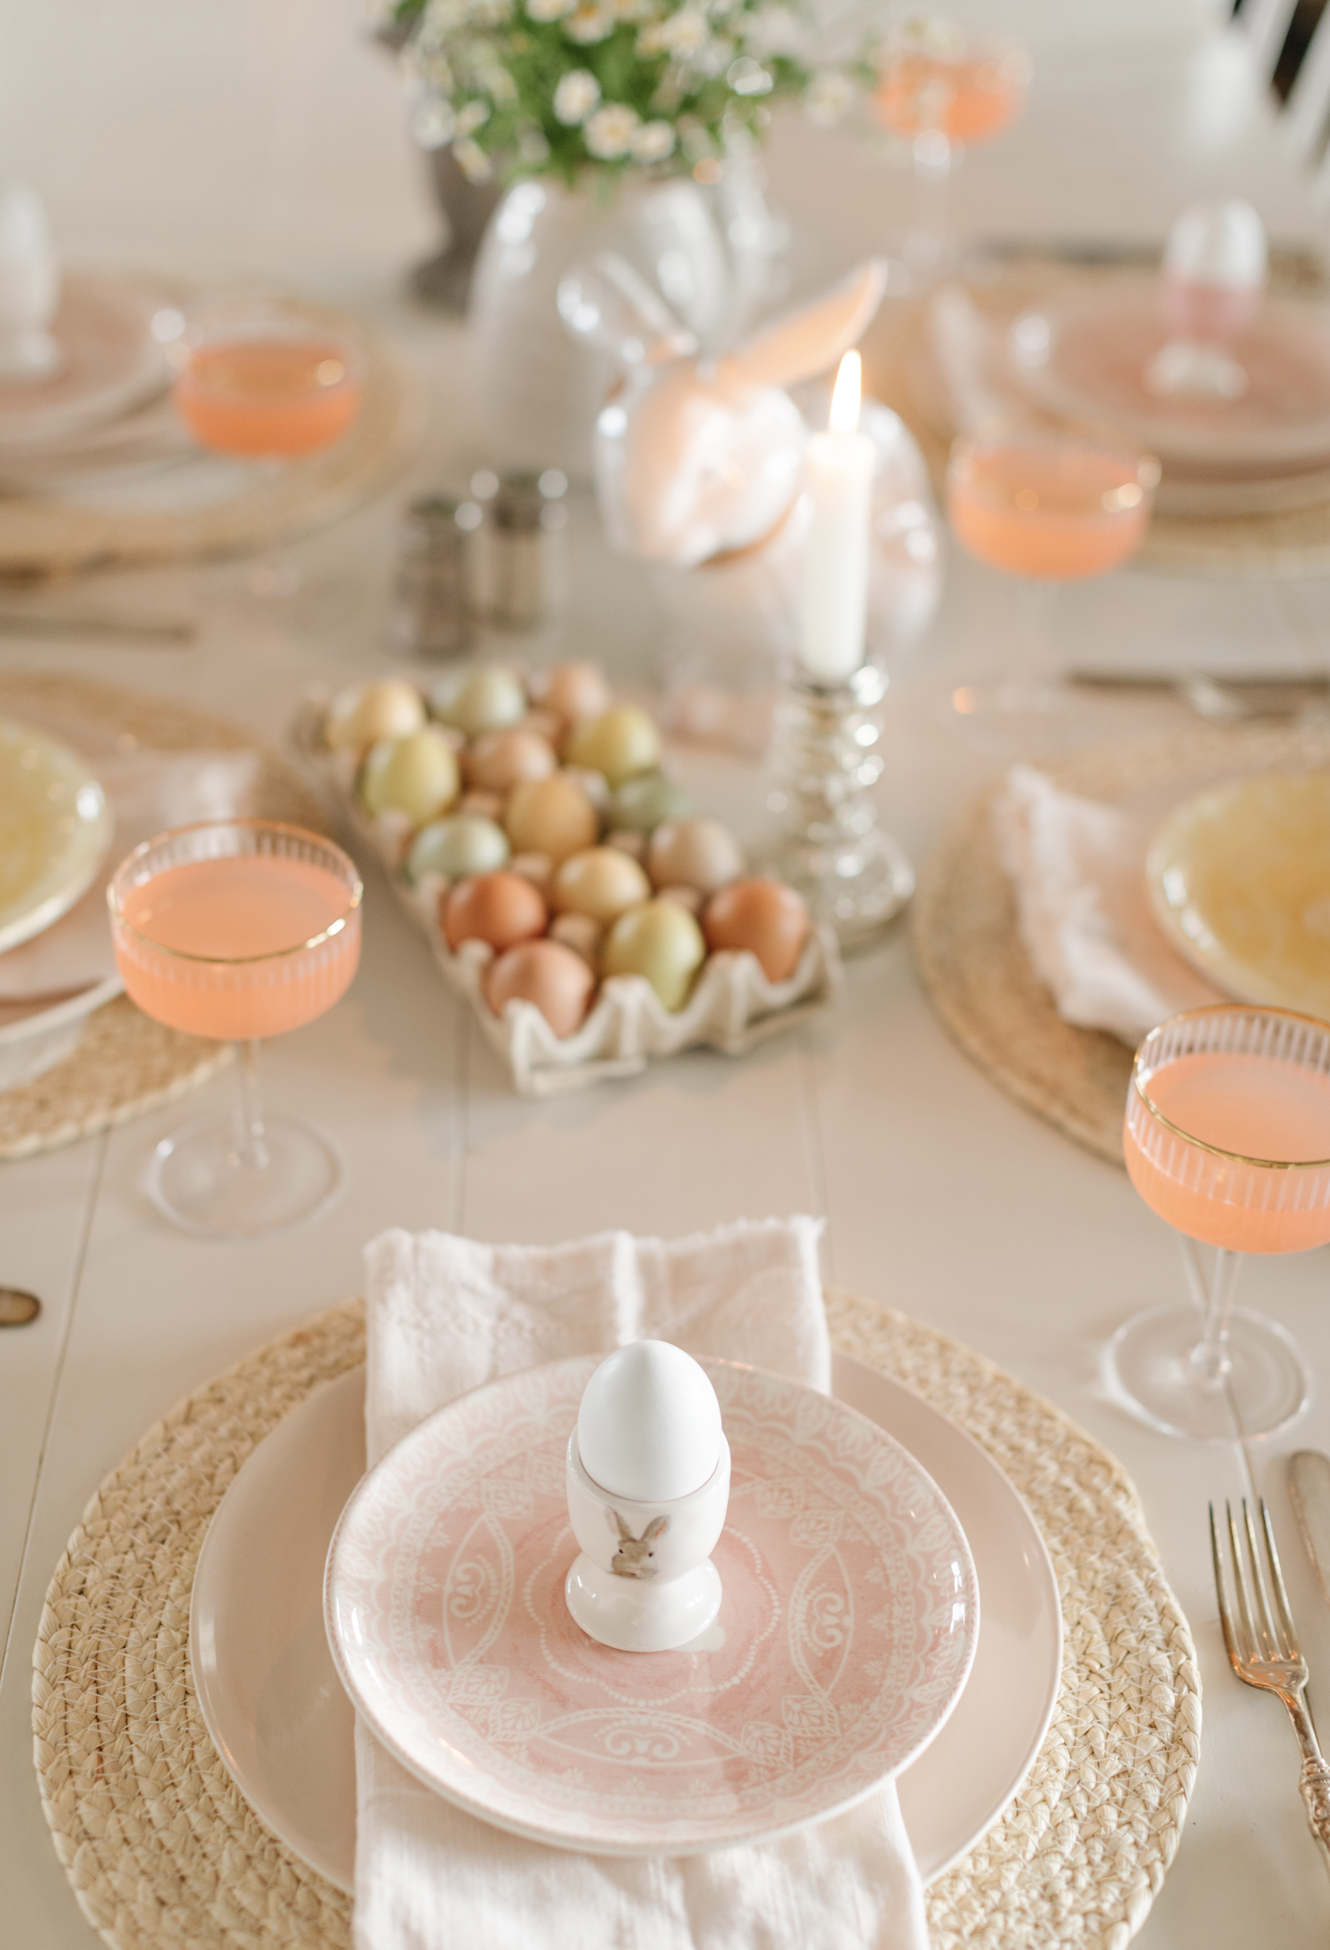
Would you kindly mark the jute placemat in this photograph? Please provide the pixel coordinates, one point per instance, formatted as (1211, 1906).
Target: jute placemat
(126, 1064)
(161, 1850)
(968, 949)
(899, 370)
(168, 521)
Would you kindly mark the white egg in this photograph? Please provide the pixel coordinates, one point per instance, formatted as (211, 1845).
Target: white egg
(649, 1425)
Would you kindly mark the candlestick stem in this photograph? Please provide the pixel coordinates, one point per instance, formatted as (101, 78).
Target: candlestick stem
(828, 843)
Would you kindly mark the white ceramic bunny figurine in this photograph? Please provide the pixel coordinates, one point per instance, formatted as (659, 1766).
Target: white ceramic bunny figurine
(698, 457)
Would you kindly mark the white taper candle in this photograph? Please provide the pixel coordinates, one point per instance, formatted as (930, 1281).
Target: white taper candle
(835, 587)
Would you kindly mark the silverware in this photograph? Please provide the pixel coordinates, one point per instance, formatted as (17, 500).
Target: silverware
(1223, 700)
(1309, 1487)
(1263, 1649)
(160, 629)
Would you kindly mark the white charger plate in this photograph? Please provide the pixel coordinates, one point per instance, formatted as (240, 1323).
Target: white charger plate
(55, 829)
(277, 1713)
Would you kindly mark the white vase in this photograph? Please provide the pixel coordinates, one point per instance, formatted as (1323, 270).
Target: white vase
(540, 390)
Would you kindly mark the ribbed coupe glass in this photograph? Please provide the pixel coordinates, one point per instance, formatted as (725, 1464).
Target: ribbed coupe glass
(1227, 1137)
(238, 929)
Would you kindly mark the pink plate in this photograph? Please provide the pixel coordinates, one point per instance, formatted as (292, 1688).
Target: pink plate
(848, 1625)
(1100, 344)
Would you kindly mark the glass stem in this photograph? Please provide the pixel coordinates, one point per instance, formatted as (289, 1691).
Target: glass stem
(1033, 597)
(934, 157)
(1209, 1357)
(252, 1144)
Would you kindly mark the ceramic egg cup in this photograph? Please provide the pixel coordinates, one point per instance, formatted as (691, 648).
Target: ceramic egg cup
(644, 1581)
(733, 1005)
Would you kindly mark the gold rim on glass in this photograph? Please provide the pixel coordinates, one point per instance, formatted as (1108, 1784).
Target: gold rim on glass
(252, 825)
(1215, 1150)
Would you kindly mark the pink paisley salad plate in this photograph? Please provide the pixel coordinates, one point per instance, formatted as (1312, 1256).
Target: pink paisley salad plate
(848, 1627)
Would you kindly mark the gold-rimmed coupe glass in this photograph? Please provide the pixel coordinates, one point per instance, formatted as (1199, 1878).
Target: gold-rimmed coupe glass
(1227, 1138)
(238, 929)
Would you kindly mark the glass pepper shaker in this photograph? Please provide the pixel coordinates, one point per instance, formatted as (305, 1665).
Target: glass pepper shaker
(431, 610)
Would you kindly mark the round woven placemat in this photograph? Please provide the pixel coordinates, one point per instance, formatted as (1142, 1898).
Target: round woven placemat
(161, 1850)
(899, 370)
(47, 536)
(968, 948)
(125, 1063)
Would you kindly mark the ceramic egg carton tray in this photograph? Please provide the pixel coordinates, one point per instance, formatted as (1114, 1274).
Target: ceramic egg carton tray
(733, 1005)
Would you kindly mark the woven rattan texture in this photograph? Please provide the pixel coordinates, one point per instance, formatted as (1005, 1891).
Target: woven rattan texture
(126, 1064)
(969, 951)
(161, 1850)
(47, 536)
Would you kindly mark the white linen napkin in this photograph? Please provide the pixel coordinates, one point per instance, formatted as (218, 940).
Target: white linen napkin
(147, 792)
(1078, 869)
(446, 1314)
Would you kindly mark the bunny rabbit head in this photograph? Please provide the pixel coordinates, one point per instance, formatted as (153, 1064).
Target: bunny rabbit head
(633, 1556)
(694, 458)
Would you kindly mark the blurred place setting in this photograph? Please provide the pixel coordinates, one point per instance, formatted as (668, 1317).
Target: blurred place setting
(664, 974)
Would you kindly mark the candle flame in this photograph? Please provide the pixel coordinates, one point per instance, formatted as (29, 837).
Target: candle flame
(845, 399)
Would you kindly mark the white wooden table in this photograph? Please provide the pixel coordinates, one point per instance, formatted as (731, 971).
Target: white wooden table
(940, 1196)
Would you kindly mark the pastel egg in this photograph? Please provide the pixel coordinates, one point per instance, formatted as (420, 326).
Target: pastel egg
(601, 881)
(416, 775)
(365, 713)
(647, 801)
(465, 844)
(694, 853)
(619, 743)
(551, 816)
(479, 697)
(500, 908)
(499, 760)
(571, 691)
(661, 941)
(580, 933)
(767, 918)
(547, 974)
(649, 1424)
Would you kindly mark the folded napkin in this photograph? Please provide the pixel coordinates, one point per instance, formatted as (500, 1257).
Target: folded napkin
(446, 1314)
(1078, 868)
(147, 792)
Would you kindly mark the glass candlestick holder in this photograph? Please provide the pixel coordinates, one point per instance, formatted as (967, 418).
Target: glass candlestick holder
(829, 845)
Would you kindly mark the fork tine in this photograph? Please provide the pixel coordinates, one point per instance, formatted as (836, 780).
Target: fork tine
(1267, 1623)
(1225, 1615)
(1247, 1648)
(1290, 1630)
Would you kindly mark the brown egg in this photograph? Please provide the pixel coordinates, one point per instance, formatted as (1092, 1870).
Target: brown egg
(571, 691)
(499, 760)
(552, 816)
(767, 918)
(500, 908)
(554, 978)
(600, 881)
(693, 853)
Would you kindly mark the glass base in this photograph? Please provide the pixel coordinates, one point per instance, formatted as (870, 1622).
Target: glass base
(198, 1179)
(1149, 1371)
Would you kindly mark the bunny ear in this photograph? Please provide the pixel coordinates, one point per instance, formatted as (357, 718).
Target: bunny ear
(815, 337)
(609, 304)
(654, 1529)
(620, 1528)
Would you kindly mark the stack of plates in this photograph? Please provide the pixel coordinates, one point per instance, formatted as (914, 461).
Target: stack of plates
(105, 407)
(464, 1522)
(55, 830)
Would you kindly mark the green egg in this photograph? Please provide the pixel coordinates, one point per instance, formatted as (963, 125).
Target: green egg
(661, 941)
(647, 801)
(620, 743)
(417, 775)
(479, 697)
(465, 844)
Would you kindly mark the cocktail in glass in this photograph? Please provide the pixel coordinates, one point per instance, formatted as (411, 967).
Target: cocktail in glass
(1227, 1137)
(261, 383)
(943, 87)
(238, 929)
(1044, 502)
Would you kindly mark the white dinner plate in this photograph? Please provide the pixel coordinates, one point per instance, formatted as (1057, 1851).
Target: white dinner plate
(55, 829)
(271, 1699)
(111, 364)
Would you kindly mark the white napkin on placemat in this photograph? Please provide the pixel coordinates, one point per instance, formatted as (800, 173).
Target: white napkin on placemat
(147, 793)
(445, 1315)
(1078, 869)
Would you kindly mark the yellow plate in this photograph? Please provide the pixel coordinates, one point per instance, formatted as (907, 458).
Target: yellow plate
(1240, 881)
(55, 829)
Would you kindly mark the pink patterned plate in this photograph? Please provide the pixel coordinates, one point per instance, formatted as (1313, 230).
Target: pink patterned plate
(848, 1626)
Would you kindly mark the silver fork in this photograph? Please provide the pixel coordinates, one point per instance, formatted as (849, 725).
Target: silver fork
(1263, 1649)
